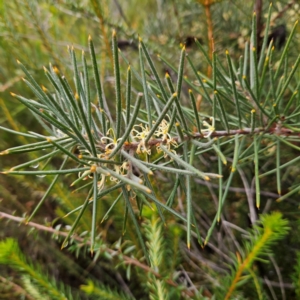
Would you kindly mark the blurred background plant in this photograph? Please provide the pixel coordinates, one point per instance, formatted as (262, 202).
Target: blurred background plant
(260, 168)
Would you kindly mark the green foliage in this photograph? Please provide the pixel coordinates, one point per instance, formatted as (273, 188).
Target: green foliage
(149, 177)
(35, 282)
(102, 292)
(153, 231)
(269, 230)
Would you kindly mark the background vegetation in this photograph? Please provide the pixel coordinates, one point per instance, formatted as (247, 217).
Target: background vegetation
(247, 250)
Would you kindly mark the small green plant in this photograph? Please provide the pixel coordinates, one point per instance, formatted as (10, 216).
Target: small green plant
(37, 284)
(270, 229)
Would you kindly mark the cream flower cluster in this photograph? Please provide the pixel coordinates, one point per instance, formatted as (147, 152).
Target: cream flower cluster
(141, 133)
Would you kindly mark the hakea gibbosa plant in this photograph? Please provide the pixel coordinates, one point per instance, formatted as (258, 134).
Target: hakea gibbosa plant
(250, 108)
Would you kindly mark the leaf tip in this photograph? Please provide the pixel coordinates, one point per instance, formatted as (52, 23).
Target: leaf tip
(55, 69)
(4, 152)
(93, 169)
(64, 245)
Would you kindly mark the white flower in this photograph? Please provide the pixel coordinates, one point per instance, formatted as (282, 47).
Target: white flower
(210, 128)
(163, 132)
(141, 135)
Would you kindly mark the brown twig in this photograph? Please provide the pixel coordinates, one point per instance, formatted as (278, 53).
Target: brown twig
(220, 133)
(281, 13)
(207, 4)
(127, 260)
(18, 289)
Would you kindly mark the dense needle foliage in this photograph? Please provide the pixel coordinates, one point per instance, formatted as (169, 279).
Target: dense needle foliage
(150, 150)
